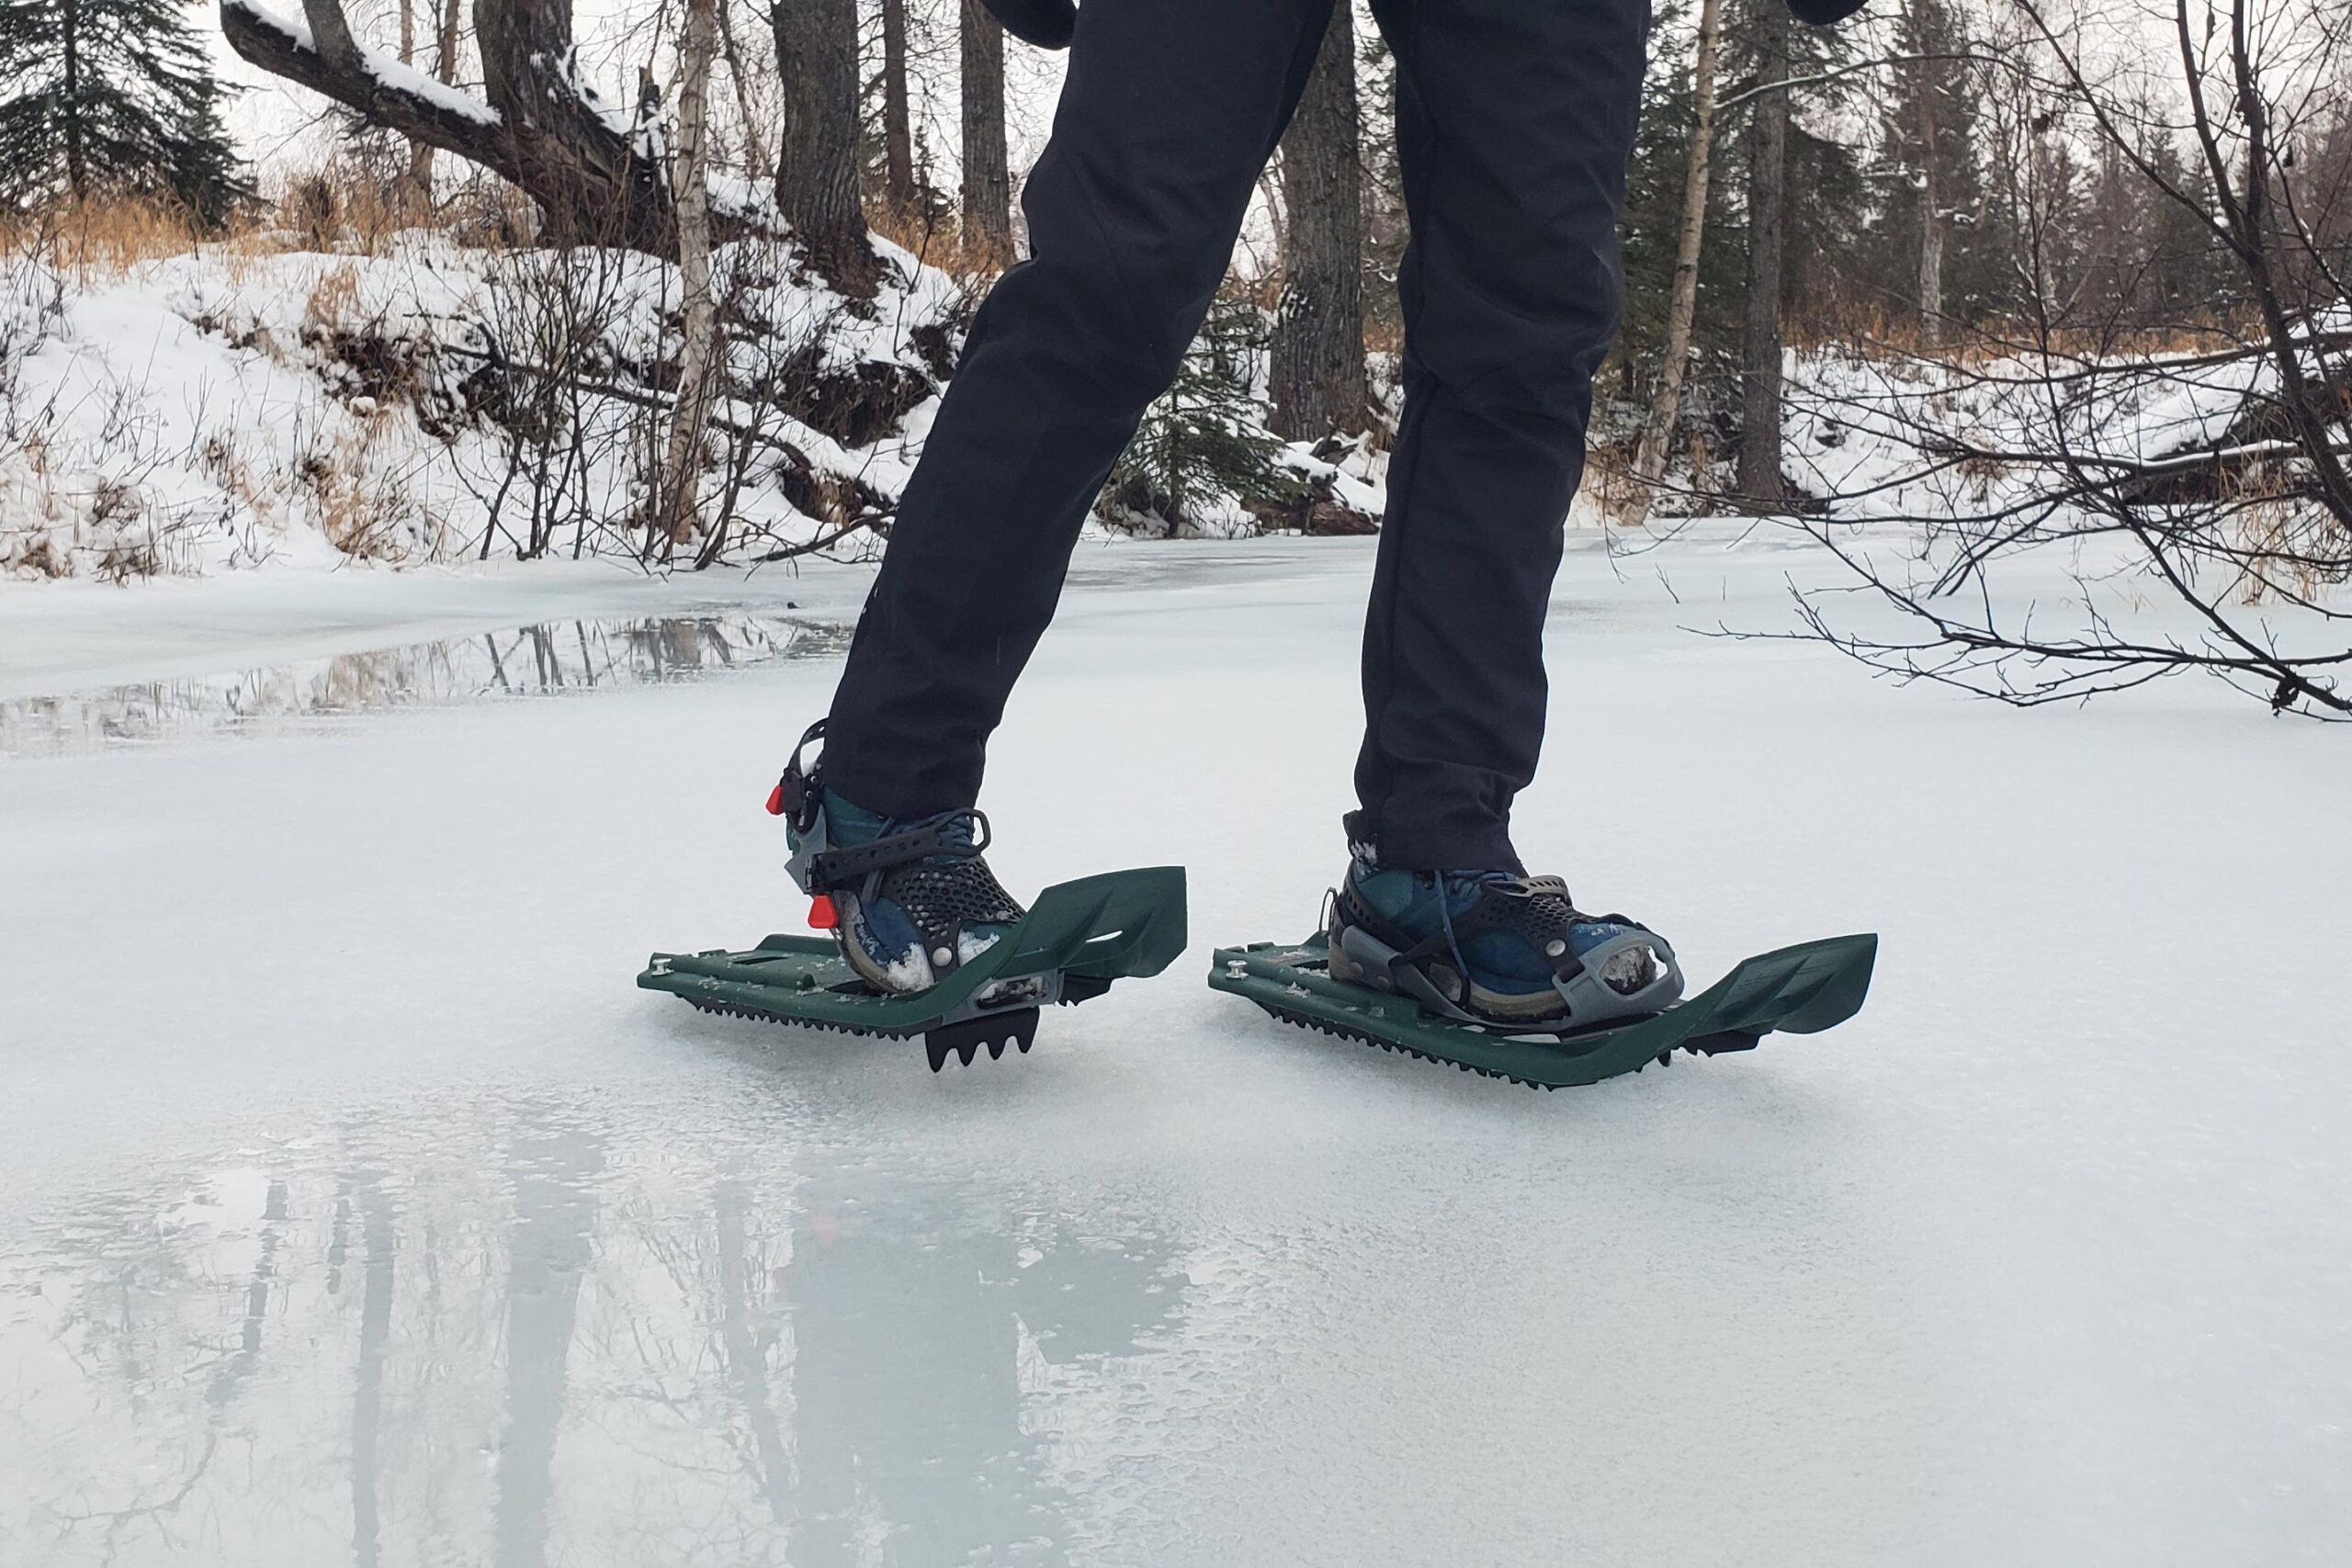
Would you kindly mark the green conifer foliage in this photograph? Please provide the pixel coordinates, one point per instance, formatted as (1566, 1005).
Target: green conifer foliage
(112, 98)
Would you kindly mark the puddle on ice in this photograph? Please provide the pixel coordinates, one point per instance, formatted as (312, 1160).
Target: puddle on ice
(550, 658)
(524, 1336)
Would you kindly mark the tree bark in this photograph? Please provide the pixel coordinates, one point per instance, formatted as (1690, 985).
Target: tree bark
(415, 197)
(77, 164)
(568, 141)
(758, 162)
(988, 178)
(1931, 220)
(816, 181)
(898, 130)
(444, 71)
(1318, 370)
(1682, 309)
(675, 513)
(543, 128)
(1761, 486)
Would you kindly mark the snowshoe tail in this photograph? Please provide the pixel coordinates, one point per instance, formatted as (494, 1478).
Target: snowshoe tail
(1798, 990)
(1079, 937)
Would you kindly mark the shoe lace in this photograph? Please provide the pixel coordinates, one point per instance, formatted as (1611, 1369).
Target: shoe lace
(1449, 882)
(956, 826)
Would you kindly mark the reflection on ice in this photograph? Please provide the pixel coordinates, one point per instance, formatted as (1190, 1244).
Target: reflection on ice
(531, 1342)
(548, 659)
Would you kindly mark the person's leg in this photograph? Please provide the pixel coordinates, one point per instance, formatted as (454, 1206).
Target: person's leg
(1169, 111)
(1515, 123)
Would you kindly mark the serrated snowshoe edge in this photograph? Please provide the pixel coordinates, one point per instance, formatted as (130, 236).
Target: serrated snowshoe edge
(1802, 989)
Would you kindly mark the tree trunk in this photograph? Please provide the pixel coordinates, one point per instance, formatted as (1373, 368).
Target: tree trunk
(604, 189)
(1931, 219)
(1317, 360)
(414, 199)
(816, 181)
(1682, 309)
(544, 128)
(444, 71)
(898, 130)
(987, 179)
(1761, 486)
(675, 514)
(77, 163)
(757, 161)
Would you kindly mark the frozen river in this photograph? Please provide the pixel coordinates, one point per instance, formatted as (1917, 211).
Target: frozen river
(356, 1208)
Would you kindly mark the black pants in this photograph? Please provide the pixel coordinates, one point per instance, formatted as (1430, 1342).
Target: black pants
(1515, 123)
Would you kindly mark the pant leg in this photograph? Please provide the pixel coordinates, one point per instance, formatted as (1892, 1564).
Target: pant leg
(1515, 125)
(1170, 110)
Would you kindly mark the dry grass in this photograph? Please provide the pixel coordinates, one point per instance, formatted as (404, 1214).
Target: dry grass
(363, 508)
(1973, 346)
(97, 239)
(940, 244)
(334, 299)
(343, 206)
(350, 206)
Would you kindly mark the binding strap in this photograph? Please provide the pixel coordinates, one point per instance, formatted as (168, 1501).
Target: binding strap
(845, 865)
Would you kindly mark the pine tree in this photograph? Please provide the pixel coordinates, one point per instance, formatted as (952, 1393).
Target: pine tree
(1202, 444)
(112, 96)
(1936, 272)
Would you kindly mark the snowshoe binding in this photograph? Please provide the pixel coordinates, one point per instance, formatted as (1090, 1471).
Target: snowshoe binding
(924, 940)
(1492, 948)
(1501, 974)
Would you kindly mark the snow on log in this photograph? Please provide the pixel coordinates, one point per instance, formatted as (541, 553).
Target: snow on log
(595, 172)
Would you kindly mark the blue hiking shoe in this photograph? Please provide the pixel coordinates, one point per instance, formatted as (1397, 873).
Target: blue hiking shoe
(910, 899)
(1494, 947)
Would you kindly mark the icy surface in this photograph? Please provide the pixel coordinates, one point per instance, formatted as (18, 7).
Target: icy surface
(357, 1208)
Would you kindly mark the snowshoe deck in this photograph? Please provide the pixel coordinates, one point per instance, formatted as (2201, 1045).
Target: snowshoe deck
(1080, 936)
(1802, 989)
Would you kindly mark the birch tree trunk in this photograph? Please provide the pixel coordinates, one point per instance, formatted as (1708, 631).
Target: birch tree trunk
(1931, 220)
(1761, 486)
(1317, 358)
(987, 179)
(675, 513)
(1666, 404)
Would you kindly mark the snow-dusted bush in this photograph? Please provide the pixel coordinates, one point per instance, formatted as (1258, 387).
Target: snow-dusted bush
(250, 402)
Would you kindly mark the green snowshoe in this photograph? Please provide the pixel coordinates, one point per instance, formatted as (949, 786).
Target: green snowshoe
(1801, 990)
(1077, 938)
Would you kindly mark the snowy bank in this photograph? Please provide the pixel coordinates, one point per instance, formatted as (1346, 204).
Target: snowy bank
(248, 405)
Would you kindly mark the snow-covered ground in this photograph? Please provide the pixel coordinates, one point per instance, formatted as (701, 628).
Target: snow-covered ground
(358, 1208)
(254, 406)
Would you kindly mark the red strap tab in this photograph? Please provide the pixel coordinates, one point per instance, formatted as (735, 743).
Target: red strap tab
(775, 799)
(820, 914)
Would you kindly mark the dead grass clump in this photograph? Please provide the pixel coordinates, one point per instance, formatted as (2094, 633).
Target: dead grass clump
(939, 242)
(364, 509)
(100, 237)
(334, 299)
(349, 205)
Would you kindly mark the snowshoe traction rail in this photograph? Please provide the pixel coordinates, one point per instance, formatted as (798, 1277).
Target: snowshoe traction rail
(1803, 990)
(1079, 937)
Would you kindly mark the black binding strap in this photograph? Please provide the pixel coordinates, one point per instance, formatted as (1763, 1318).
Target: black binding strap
(840, 867)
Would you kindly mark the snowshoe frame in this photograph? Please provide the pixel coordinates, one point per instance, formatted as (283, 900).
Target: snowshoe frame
(1801, 990)
(1077, 938)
